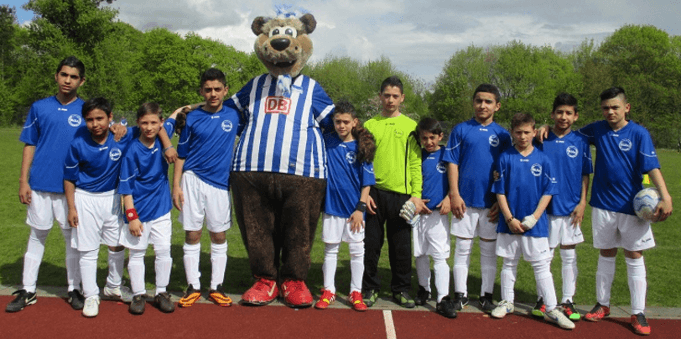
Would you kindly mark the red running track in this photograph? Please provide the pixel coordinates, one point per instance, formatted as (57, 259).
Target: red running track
(53, 318)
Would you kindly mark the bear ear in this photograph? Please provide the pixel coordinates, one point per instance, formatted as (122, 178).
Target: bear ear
(308, 22)
(257, 24)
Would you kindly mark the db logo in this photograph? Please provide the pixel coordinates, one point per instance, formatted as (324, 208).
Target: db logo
(625, 145)
(441, 167)
(494, 140)
(350, 157)
(572, 152)
(74, 120)
(115, 154)
(227, 126)
(278, 105)
(536, 170)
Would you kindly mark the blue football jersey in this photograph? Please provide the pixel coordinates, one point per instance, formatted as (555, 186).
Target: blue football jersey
(144, 175)
(94, 167)
(50, 127)
(474, 148)
(570, 157)
(207, 144)
(622, 157)
(435, 183)
(345, 177)
(524, 180)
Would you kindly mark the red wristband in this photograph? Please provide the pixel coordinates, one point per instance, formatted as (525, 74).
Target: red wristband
(131, 214)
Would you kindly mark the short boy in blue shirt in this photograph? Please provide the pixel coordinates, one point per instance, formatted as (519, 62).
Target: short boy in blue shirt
(571, 159)
(91, 170)
(524, 186)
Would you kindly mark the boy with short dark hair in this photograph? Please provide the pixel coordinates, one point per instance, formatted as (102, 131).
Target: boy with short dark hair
(50, 126)
(472, 148)
(201, 185)
(624, 152)
(91, 170)
(524, 186)
(397, 167)
(570, 156)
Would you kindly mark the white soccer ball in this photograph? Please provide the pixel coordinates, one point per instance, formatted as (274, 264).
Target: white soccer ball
(645, 202)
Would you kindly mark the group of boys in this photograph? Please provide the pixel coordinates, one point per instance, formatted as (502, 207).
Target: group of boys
(489, 172)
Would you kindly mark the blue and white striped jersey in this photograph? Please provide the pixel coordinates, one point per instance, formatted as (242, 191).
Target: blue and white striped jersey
(283, 134)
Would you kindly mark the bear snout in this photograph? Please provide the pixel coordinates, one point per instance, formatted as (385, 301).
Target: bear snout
(280, 44)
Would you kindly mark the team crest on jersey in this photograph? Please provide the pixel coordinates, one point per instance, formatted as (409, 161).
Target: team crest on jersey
(493, 140)
(75, 120)
(398, 133)
(351, 157)
(115, 154)
(227, 126)
(625, 145)
(441, 167)
(277, 105)
(536, 170)
(572, 151)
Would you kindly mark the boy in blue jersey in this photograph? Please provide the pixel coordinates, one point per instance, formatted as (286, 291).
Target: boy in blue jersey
(431, 234)
(624, 152)
(472, 148)
(570, 156)
(91, 171)
(524, 186)
(48, 131)
(349, 152)
(201, 185)
(146, 196)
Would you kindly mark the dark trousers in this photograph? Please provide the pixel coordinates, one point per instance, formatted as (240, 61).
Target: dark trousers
(277, 215)
(398, 232)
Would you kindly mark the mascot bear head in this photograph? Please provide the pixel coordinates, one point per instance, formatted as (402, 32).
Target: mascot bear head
(283, 44)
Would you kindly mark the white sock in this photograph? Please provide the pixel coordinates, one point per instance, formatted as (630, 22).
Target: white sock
(163, 265)
(462, 260)
(33, 257)
(605, 273)
(88, 271)
(539, 291)
(218, 260)
(441, 276)
(356, 265)
(116, 265)
(544, 280)
(423, 271)
(636, 274)
(329, 266)
(136, 270)
(569, 262)
(72, 258)
(191, 264)
(488, 266)
(509, 271)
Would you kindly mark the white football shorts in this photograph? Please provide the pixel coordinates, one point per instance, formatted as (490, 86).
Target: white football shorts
(336, 229)
(431, 235)
(100, 220)
(45, 208)
(156, 232)
(474, 223)
(532, 248)
(562, 232)
(202, 200)
(614, 229)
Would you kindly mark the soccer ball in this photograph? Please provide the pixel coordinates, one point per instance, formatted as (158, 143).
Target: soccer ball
(645, 202)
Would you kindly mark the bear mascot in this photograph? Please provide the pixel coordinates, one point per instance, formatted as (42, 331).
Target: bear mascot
(278, 175)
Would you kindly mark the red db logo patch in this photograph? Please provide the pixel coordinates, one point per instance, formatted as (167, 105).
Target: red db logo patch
(278, 105)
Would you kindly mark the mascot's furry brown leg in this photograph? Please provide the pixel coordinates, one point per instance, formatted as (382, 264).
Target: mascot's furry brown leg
(278, 178)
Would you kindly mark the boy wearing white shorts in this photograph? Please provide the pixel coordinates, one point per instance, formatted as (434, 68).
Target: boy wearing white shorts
(524, 186)
(50, 126)
(624, 152)
(91, 172)
(472, 148)
(146, 195)
(570, 156)
(201, 185)
(431, 234)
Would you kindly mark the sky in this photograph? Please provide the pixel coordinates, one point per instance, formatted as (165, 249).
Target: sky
(417, 36)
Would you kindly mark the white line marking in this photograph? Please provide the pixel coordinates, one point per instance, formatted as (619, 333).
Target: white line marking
(389, 325)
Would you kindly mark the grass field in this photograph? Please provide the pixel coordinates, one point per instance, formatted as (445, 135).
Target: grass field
(662, 262)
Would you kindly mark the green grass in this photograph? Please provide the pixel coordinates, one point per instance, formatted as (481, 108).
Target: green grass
(662, 262)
